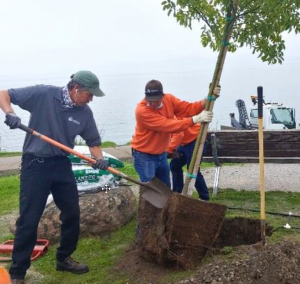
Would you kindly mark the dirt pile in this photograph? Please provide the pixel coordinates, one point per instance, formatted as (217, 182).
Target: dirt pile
(276, 264)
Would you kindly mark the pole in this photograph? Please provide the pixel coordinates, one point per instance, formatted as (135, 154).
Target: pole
(199, 145)
(261, 166)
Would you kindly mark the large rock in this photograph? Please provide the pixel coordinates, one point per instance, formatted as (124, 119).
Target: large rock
(101, 213)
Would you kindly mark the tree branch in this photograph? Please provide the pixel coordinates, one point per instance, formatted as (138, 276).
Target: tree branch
(204, 19)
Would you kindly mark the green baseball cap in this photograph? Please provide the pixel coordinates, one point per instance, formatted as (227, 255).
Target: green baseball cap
(88, 80)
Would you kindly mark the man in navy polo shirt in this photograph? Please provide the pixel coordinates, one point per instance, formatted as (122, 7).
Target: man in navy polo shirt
(61, 113)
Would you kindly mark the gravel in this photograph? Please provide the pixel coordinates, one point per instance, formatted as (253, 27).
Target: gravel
(282, 177)
(278, 177)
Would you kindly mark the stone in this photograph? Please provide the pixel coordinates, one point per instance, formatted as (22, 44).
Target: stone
(100, 213)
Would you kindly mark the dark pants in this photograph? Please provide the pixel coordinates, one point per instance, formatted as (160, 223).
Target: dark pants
(39, 177)
(186, 153)
(149, 166)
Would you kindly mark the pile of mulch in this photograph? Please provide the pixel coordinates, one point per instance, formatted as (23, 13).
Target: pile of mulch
(276, 264)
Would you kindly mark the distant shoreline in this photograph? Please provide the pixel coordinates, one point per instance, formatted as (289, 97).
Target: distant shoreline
(105, 144)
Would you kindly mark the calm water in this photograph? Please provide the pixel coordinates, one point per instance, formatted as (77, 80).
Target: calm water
(114, 113)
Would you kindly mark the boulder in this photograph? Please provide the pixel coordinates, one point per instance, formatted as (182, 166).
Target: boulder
(101, 213)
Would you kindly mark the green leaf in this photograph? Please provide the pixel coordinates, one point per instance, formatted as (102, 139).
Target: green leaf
(259, 23)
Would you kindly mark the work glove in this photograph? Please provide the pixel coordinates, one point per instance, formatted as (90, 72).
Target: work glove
(204, 116)
(217, 91)
(12, 120)
(100, 164)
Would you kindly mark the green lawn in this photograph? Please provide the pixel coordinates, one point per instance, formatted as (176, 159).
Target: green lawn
(276, 201)
(9, 194)
(102, 253)
(107, 144)
(10, 154)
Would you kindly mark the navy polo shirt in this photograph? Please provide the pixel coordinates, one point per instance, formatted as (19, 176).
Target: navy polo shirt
(48, 117)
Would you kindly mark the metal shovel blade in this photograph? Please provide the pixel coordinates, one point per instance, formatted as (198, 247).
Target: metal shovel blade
(216, 181)
(156, 192)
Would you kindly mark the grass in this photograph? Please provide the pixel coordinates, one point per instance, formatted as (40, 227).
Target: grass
(276, 201)
(9, 194)
(9, 189)
(102, 253)
(104, 144)
(206, 165)
(129, 170)
(9, 154)
(108, 144)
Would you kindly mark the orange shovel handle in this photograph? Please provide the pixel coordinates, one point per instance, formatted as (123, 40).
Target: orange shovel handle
(67, 149)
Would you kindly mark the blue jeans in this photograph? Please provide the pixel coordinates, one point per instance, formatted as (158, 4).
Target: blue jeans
(176, 165)
(149, 166)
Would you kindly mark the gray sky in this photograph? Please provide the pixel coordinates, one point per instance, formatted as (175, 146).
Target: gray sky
(46, 41)
(59, 36)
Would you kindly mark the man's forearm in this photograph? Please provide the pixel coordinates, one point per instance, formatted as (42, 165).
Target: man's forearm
(96, 152)
(5, 103)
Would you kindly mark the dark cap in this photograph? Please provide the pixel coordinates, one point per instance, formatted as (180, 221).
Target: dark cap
(88, 80)
(154, 91)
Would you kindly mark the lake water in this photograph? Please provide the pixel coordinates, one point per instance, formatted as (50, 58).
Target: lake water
(114, 113)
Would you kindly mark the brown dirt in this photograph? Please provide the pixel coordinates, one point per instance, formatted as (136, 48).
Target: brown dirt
(237, 257)
(276, 264)
(240, 231)
(138, 269)
(173, 236)
(249, 264)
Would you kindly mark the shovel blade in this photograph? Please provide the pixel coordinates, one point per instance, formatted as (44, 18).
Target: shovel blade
(156, 192)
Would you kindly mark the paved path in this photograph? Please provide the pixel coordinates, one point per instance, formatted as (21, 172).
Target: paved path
(9, 165)
(284, 177)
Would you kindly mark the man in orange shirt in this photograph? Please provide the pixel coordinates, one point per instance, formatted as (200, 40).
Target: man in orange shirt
(154, 125)
(181, 149)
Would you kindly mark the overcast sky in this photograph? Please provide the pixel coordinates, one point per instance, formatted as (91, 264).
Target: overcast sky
(60, 36)
(45, 41)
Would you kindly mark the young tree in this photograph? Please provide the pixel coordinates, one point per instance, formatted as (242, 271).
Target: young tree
(230, 24)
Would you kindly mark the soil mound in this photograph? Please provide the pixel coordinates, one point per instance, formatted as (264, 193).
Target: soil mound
(275, 264)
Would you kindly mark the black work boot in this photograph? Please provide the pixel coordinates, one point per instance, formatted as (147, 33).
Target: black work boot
(69, 264)
(17, 281)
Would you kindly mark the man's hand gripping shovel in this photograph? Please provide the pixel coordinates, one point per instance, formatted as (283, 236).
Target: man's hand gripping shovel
(154, 191)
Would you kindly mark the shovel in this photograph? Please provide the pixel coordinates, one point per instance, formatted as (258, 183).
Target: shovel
(217, 163)
(155, 191)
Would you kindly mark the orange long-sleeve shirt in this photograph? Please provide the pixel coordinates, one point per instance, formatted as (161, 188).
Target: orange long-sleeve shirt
(183, 138)
(154, 127)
